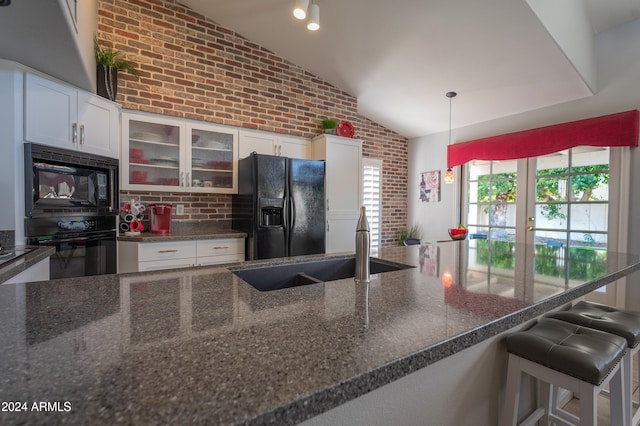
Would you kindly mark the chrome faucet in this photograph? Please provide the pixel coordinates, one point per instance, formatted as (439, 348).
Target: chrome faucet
(363, 248)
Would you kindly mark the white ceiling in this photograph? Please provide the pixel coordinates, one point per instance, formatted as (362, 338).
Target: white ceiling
(400, 57)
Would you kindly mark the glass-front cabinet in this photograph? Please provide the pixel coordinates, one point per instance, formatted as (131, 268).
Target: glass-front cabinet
(169, 154)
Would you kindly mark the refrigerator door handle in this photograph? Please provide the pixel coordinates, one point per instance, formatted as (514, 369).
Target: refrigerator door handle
(286, 225)
(292, 208)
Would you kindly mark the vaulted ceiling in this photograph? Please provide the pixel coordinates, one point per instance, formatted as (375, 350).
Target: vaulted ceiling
(400, 57)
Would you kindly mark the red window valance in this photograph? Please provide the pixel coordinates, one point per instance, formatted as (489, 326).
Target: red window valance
(619, 129)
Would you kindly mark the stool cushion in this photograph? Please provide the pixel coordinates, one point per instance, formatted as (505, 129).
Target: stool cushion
(581, 352)
(605, 318)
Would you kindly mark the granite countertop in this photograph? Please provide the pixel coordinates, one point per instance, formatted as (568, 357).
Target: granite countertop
(200, 345)
(31, 256)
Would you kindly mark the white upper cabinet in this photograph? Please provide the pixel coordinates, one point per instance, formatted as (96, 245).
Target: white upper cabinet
(66, 117)
(272, 144)
(261, 143)
(292, 147)
(170, 154)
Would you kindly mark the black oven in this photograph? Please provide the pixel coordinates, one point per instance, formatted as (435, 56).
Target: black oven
(71, 203)
(69, 182)
(84, 245)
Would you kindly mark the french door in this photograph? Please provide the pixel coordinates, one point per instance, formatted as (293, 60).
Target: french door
(561, 204)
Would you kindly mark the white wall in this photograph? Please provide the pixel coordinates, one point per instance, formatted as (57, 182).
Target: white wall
(617, 54)
(434, 218)
(568, 23)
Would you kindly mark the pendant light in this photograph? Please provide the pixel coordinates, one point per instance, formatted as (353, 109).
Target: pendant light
(314, 18)
(300, 9)
(448, 175)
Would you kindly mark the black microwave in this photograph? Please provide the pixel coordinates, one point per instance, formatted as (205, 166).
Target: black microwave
(69, 182)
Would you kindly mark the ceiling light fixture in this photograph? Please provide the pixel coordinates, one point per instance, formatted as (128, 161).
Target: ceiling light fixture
(300, 9)
(314, 18)
(448, 175)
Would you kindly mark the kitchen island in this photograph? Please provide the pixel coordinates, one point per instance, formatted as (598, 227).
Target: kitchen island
(200, 345)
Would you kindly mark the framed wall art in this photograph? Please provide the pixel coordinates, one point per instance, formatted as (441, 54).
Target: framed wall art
(430, 186)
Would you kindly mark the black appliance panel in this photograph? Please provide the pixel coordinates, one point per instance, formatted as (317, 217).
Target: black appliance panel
(59, 181)
(84, 245)
(307, 227)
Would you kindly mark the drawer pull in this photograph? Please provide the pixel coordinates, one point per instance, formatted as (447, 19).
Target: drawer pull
(167, 251)
(220, 247)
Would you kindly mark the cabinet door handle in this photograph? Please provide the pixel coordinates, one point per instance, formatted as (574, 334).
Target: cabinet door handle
(82, 134)
(74, 133)
(327, 226)
(327, 204)
(280, 150)
(182, 179)
(189, 179)
(220, 247)
(167, 251)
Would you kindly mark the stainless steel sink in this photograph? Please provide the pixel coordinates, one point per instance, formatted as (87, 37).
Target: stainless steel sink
(275, 277)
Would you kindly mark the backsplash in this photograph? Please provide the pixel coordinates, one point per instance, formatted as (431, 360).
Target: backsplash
(214, 208)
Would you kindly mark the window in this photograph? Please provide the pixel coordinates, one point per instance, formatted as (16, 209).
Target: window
(372, 198)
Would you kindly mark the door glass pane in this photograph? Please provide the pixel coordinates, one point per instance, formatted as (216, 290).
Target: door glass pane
(588, 239)
(571, 195)
(551, 216)
(211, 159)
(589, 217)
(491, 199)
(553, 164)
(154, 154)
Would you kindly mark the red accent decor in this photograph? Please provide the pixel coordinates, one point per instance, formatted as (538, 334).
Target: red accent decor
(619, 129)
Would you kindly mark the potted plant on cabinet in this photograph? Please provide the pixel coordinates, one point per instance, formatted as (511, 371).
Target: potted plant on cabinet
(108, 62)
(329, 125)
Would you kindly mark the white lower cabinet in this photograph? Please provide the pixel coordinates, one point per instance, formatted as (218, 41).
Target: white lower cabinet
(215, 252)
(153, 256)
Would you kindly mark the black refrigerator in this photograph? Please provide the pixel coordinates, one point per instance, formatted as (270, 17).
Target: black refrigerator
(280, 205)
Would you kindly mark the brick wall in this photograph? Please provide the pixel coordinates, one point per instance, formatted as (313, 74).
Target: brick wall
(193, 68)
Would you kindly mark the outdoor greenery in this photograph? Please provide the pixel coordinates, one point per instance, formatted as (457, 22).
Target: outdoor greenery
(501, 188)
(584, 263)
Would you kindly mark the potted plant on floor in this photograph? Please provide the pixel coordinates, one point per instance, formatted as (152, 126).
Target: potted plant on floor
(108, 62)
(412, 232)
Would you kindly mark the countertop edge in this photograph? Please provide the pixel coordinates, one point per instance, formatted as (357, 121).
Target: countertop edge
(11, 269)
(147, 237)
(319, 402)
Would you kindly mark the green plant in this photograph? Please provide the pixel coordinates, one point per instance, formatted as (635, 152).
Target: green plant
(110, 58)
(329, 123)
(411, 232)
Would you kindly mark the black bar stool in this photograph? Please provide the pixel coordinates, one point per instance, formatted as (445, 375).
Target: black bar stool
(580, 359)
(621, 322)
